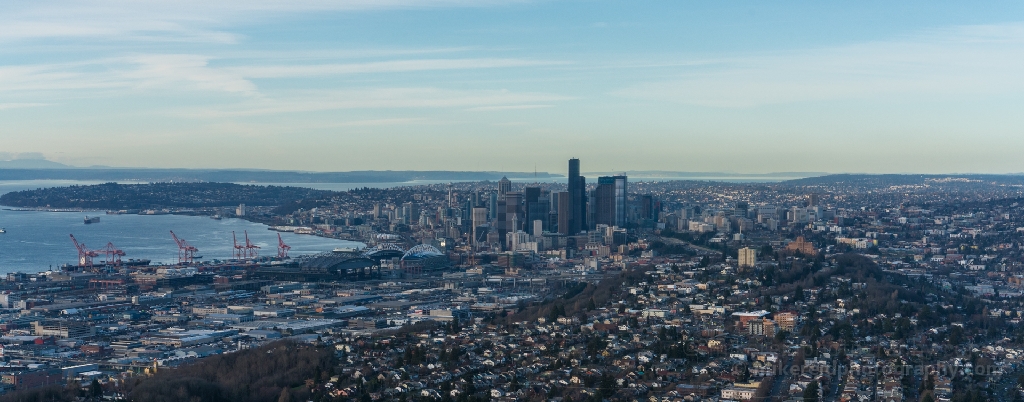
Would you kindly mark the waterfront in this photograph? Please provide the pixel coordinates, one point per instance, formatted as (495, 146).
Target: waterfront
(37, 240)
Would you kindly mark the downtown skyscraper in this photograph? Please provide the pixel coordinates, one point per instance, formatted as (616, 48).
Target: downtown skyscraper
(577, 212)
(610, 201)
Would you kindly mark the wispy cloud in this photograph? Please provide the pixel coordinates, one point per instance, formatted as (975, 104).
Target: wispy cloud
(957, 61)
(188, 71)
(505, 107)
(4, 106)
(381, 122)
(175, 72)
(393, 66)
(375, 98)
(183, 20)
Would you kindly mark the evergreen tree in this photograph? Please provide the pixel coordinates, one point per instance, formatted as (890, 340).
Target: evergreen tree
(95, 389)
(811, 392)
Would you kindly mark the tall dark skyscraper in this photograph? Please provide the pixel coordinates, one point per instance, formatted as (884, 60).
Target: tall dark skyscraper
(621, 197)
(604, 205)
(584, 222)
(577, 208)
(647, 210)
(610, 201)
(564, 213)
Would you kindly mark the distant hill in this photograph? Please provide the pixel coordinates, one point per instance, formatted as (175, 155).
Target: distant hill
(878, 180)
(32, 164)
(640, 174)
(157, 195)
(251, 176)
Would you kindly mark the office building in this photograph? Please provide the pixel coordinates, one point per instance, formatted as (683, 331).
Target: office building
(479, 219)
(504, 186)
(610, 201)
(604, 201)
(564, 212)
(514, 214)
(577, 199)
(647, 209)
(492, 206)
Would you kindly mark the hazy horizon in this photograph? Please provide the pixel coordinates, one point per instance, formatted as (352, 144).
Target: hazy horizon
(519, 85)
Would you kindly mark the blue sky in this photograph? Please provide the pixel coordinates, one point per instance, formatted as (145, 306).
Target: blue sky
(509, 85)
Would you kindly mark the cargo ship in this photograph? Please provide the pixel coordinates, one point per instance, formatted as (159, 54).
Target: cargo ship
(94, 219)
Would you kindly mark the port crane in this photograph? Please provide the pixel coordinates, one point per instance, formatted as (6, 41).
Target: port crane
(239, 251)
(113, 254)
(282, 249)
(85, 255)
(252, 250)
(186, 252)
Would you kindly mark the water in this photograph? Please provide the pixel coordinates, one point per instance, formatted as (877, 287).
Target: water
(37, 240)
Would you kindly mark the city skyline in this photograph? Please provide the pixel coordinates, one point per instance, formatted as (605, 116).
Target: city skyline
(917, 87)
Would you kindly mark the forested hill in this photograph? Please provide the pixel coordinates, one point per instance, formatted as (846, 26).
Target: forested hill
(142, 196)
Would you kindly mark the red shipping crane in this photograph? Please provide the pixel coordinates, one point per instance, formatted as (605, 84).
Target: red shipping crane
(239, 252)
(282, 249)
(186, 252)
(85, 255)
(252, 250)
(113, 254)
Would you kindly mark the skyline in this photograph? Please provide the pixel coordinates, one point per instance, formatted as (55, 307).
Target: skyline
(508, 86)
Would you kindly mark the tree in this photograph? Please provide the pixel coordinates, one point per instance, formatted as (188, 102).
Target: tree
(811, 392)
(95, 389)
(285, 395)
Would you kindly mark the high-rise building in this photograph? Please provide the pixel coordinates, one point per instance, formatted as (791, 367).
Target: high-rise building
(531, 194)
(514, 215)
(584, 222)
(577, 195)
(610, 201)
(741, 209)
(500, 223)
(647, 211)
(604, 201)
(536, 206)
(504, 186)
(479, 219)
(620, 200)
(564, 212)
(492, 206)
(748, 257)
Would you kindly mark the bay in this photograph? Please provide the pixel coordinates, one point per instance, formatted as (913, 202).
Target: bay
(38, 240)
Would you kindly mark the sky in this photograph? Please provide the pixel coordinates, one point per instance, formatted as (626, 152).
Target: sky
(743, 86)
